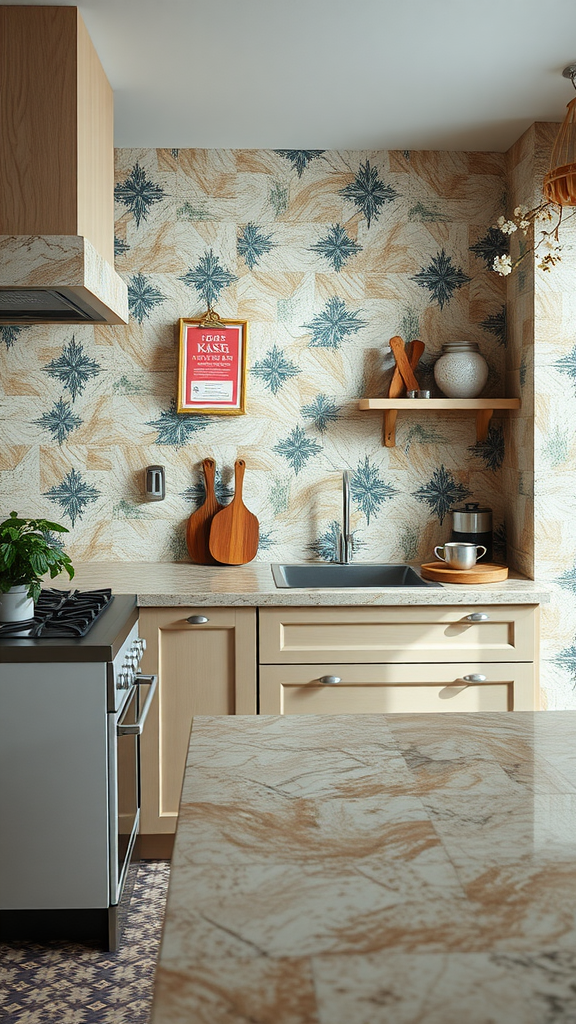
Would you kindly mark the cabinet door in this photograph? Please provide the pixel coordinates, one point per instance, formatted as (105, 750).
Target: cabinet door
(206, 668)
(403, 634)
(377, 689)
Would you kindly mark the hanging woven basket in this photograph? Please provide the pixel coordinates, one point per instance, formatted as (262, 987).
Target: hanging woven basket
(560, 182)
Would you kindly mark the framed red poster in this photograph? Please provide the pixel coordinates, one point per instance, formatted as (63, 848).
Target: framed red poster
(212, 365)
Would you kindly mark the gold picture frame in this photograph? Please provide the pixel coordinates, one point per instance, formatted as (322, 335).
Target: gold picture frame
(212, 365)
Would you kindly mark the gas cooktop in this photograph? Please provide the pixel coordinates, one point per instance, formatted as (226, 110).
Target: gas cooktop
(70, 625)
(60, 613)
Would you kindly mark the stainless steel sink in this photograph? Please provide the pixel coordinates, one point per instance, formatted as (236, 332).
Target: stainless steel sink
(333, 574)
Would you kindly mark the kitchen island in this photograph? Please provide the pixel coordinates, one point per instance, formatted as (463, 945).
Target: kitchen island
(374, 869)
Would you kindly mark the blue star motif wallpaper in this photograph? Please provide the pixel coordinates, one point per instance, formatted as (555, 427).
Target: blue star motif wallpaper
(337, 247)
(275, 369)
(74, 368)
(441, 278)
(176, 428)
(252, 244)
(60, 421)
(369, 193)
(9, 333)
(334, 324)
(441, 493)
(300, 158)
(322, 411)
(138, 193)
(142, 297)
(209, 277)
(297, 448)
(369, 491)
(494, 243)
(495, 324)
(73, 494)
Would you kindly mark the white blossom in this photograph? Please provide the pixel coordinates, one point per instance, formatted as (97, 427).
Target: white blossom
(520, 212)
(502, 265)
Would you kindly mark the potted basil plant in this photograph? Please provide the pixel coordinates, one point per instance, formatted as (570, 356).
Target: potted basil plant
(27, 553)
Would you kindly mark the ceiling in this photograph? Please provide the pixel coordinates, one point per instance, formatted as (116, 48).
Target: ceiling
(333, 74)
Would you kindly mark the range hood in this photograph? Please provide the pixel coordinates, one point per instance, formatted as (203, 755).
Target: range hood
(56, 173)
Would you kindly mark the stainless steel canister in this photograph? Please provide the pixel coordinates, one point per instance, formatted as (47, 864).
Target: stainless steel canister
(473, 524)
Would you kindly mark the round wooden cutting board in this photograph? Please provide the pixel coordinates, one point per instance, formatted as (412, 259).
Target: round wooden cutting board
(482, 572)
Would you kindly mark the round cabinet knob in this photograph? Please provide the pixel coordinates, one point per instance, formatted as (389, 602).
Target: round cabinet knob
(474, 677)
(478, 617)
(330, 680)
(197, 620)
(142, 643)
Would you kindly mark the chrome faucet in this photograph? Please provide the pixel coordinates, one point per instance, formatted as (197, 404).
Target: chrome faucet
(345, 540)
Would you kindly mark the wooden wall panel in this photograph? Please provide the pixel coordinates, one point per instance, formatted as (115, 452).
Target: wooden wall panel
(95, 149)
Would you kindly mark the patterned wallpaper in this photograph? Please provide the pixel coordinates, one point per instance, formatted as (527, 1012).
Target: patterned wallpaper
(326, 255)
(542, 363)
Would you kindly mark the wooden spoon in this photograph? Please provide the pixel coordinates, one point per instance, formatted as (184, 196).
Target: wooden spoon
(198, 528)
(235, 531)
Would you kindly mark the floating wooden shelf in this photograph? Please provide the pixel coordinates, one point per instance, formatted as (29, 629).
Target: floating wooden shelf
(483, 407)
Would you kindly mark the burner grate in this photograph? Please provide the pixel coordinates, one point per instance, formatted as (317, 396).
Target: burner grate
(59, 614)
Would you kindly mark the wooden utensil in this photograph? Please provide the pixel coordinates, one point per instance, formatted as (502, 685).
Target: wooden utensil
(198, 527)
(397, 346)
(414, 351)
(482, 572)
(234, 531)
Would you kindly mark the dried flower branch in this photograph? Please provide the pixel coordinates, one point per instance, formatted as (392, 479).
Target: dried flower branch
(523, 219)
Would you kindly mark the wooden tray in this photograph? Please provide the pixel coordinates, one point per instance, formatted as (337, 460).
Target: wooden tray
(482, 572)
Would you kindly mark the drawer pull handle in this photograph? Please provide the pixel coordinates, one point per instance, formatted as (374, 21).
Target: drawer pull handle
(478, 617)
(330, 680)
(197, 620)
(474, 677)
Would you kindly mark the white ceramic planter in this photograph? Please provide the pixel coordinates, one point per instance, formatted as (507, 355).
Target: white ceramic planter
(16, 606)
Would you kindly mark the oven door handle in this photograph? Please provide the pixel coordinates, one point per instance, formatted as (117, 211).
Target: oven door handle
(136, 729)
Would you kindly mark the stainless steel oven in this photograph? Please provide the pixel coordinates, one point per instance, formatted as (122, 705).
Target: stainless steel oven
(72, 709)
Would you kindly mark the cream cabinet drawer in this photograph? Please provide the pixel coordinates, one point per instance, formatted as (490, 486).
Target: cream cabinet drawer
(377, 689)
(403, 634)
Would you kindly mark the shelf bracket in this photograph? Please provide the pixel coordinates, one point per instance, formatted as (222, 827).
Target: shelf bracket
(483, 417)
(389, 428)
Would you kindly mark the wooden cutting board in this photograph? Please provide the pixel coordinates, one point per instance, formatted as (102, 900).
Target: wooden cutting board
(235, 531)
(198, 527)
(482, 572)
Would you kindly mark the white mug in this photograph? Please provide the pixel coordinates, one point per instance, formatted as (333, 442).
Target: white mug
(459, 554)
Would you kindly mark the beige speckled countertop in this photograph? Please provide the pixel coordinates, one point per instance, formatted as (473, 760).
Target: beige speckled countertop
(374, 869)
(162, 583)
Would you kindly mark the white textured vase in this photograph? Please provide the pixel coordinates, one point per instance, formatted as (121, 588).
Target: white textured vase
(16, 606)
(461, 371)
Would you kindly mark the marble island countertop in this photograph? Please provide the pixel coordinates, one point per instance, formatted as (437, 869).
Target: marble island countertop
(175, 583)
(385, 869)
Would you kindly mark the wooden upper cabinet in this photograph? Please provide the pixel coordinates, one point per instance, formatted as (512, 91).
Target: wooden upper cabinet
(56, 126)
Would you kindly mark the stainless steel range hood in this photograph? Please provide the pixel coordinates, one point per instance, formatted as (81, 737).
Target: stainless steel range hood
(56, 173)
